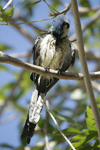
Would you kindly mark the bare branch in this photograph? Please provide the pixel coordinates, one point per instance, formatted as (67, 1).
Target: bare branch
(84, 66)
(40, 70)
(8, 4)
(58, 127)
(19, 55)
(46, 127)
(84, 10)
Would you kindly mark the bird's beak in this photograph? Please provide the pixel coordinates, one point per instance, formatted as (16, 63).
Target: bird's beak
(57, 30)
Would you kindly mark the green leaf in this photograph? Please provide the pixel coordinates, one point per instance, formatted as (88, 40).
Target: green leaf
(4, 47)
(20, 148)
(7, 146)
(66, 119)
(57, 149)
(90, 119)
(2, 67)
(67, 132)
(96, 145)
(88, 14)
(84, 137)
(6, 15)
(1, 10)
(38, 147)
(86, 133)
(85, 4)
(55, 4)
(30, 4)
(6, 87)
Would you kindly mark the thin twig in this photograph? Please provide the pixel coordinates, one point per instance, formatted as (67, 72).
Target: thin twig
(31, 25)
(40, 70)
(84, 66)
(29, 22)
(58, 127)
(46, 127)
(8, 4)
(63, 11)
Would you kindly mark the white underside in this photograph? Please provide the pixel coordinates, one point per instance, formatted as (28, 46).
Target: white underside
(52, 56)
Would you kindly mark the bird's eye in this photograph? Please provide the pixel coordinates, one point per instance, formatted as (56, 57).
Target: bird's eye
(66, 23)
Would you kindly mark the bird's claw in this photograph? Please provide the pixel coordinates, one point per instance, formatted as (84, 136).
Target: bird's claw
(46, 68)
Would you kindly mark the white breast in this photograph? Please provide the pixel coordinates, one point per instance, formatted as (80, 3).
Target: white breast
(47, 50)
(51, 55)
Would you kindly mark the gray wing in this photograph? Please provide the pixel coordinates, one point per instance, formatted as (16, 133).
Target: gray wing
(41, 87)
(65, 66)
(35, 56)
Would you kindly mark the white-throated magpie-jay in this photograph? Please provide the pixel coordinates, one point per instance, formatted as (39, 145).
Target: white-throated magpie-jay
(51, 50)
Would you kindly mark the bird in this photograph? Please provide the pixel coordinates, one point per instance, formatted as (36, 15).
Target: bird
(51, 50)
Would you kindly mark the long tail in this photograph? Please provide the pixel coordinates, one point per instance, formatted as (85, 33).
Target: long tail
(33, 116)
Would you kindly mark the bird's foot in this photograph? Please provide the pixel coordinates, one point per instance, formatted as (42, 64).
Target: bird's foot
(46, 68)
(59, 72)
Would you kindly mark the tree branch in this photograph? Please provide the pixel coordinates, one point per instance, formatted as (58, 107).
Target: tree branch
(8, 4)
(40, 70)
(84, 10)
(84, 66)
(58, 127)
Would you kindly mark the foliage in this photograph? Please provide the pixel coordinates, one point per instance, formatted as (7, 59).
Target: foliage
(6, 15)
(68, 99)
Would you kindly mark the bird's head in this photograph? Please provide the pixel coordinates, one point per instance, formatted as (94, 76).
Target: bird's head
(60, 27)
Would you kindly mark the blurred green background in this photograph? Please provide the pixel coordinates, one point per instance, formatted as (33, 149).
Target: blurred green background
(68, 100)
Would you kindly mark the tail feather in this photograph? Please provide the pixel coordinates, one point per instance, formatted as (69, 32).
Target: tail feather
(28, 130)
(33, 117)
